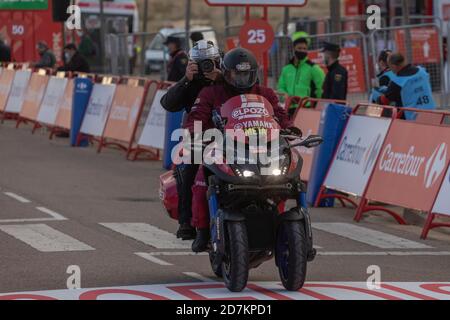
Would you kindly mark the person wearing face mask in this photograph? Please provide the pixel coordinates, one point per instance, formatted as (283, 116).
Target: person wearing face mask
(240, 74)
(384, 76)
(47, 58)
(410, 87)
(301, 77)
(73, 60)
(336, 82)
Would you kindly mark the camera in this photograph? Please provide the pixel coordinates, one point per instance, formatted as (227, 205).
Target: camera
(205, 66)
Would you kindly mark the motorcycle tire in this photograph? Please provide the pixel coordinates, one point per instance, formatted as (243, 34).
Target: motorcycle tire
(292, 254)
(235, 267)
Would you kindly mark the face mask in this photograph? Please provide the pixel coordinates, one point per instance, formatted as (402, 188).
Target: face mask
(301, 55)
(67, 56)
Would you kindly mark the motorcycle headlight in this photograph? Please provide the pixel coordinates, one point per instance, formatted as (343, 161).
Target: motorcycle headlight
(276, 172)
(248, 173)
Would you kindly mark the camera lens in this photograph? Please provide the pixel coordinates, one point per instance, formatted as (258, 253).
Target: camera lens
(207, 66)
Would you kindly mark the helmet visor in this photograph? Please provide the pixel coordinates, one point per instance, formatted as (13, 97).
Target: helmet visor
(241, 79)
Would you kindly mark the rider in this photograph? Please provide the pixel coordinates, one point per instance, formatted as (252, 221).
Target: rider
(181, 96)
(240, 72)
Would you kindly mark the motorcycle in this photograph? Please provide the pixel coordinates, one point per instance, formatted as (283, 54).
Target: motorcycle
(248, 223)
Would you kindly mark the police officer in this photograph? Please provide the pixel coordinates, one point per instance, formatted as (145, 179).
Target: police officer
(409, 87)
(336, 81)
(384, 76)
(176, 67)
(181, 97)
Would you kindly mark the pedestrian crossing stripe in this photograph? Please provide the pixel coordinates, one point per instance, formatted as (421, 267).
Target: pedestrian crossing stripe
(44, 238)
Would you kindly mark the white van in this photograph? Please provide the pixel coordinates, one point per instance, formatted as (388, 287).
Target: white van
(156, 55)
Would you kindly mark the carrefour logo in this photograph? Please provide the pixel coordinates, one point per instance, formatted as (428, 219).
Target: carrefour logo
(411, 163)
(372, 153)
(435, 165)
(352, 153)
(82, 86)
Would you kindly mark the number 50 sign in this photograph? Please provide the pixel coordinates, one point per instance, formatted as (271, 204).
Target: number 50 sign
(257, 36)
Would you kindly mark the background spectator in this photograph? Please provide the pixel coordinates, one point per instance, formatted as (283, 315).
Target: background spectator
(47, 58)
(73, 60)
(336, 81)
(5, 51)
(301, 77)
(176, 67)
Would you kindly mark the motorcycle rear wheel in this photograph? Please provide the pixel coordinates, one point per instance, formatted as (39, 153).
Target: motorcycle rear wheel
(292, 254)
(235, 267)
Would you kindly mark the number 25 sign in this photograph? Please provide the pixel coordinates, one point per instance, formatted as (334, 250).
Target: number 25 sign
(257, 35)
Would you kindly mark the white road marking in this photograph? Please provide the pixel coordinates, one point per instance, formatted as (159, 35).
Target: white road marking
(198, 277)
(44, 238)
(153, 259)
(149, 235)
(177, 253)
(368, 236)
(17, 197)
(56, 216)
(384, 253)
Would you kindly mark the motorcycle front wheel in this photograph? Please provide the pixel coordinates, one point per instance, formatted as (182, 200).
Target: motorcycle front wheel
(216, 269)
(292, 254)
(235, 266)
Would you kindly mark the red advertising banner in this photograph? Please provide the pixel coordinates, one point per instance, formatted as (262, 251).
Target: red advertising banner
(424, 44)
(309, 121)
(411, 167)
(352, 59)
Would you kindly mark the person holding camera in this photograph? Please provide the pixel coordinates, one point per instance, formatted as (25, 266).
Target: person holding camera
(203, 70)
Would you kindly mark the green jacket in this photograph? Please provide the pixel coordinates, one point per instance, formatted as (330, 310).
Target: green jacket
(305, 80)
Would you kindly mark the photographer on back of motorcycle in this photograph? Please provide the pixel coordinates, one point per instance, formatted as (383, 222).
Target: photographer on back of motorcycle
(240, 72)
(202, 71)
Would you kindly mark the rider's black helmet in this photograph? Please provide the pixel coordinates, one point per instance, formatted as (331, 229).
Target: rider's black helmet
(240, 69)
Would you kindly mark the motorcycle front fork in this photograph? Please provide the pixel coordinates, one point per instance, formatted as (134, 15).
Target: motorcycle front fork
(213, 213)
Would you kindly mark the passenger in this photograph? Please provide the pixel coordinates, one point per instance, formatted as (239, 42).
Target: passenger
(181, 97)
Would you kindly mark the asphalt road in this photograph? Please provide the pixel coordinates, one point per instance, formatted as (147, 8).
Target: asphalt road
(61, 207)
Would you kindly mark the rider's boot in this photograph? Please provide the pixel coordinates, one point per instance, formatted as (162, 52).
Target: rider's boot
(200, 243)
(186, 232)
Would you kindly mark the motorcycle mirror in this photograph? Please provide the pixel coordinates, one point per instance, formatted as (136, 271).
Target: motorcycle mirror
(310, 142)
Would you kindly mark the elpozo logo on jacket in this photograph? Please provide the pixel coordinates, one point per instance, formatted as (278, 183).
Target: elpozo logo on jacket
(410, 164)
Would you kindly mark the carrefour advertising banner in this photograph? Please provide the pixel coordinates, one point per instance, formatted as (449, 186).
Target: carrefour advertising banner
(442, 205)
(411, 167)
(23, 4)
(356, 155)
